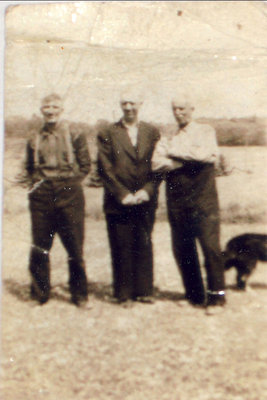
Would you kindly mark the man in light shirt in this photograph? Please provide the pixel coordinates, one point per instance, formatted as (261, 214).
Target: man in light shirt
(130, 199)
(188, 160)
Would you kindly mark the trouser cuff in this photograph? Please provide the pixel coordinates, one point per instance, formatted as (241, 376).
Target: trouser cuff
(215, 298)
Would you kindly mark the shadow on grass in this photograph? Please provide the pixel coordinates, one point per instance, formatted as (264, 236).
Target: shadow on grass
(258, 285)
(22, 291)
(104, 292)
(254, 285)
(233, 287)
(99, 290)
(167, 295)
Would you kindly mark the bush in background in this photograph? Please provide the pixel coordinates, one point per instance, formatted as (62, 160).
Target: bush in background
(250, 131)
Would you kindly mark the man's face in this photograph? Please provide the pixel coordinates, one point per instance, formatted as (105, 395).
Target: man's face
(130, 109)
(182, 112)
(51, 111)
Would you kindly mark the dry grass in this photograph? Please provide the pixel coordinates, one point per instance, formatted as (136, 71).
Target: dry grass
(148, 352)
(160, 351)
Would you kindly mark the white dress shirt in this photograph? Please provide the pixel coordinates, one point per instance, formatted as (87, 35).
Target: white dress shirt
(194, 142)
(132, 130)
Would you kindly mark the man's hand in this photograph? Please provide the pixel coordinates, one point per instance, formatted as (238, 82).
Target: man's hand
(141, 196)
(23, 181)
(176, 164)
(161, 165)
(166, 165)
(129, 200)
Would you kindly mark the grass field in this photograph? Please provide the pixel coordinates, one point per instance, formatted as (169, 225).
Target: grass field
(149, 352)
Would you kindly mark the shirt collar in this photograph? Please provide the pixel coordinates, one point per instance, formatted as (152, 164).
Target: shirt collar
(184, 129)
(127, 126)
(45, 132)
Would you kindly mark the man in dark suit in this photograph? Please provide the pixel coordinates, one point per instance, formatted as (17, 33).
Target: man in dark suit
(130, 198)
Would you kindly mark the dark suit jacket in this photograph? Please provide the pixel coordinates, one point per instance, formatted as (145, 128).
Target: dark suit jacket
(123, 168)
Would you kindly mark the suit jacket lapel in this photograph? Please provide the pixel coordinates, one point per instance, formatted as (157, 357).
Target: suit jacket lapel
(142, 140)
(123, 137)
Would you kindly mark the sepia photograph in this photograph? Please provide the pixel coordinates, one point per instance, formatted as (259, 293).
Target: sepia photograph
(134, 213)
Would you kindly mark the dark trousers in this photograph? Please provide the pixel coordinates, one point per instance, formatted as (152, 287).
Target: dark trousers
(57, 207)
(187, 225)
(131, 252)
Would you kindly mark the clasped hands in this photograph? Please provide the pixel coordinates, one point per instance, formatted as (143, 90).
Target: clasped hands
(141, 196)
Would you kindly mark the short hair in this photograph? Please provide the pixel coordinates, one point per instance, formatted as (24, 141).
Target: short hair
(182, 98)
(131, 94)
(51, 97)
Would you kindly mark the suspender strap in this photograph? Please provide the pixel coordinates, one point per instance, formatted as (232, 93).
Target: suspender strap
(69, 147)
(65, 132)
(36, 149)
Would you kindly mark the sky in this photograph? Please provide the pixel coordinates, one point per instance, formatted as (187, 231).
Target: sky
(89, 52)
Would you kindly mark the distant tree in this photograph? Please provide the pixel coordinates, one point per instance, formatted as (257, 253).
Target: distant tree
(35, 122)
(101, 124)
(249, 131)
(16, 126)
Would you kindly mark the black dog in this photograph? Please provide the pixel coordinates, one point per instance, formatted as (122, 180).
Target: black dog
(243, 252)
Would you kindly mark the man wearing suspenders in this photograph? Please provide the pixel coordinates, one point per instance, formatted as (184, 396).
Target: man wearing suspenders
(57, 160)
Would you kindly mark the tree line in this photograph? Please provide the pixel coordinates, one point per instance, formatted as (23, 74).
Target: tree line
(249, 131)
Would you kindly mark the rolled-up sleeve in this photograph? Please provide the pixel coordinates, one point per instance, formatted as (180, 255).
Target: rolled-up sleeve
(198, 144)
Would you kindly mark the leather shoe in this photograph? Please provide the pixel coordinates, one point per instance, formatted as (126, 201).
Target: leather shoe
(41, 297)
